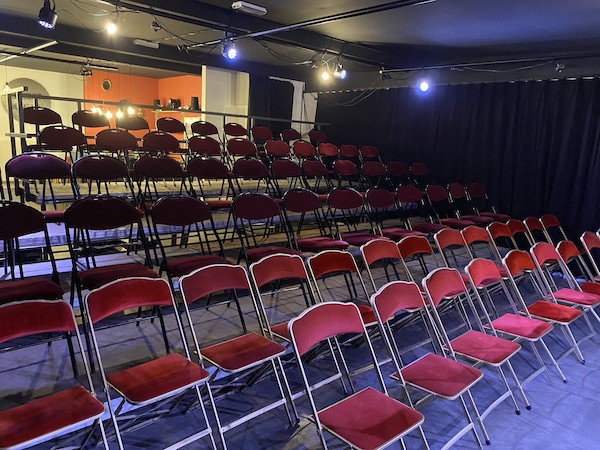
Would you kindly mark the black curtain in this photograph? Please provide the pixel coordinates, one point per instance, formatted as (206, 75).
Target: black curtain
(535, 145)
(271, 98)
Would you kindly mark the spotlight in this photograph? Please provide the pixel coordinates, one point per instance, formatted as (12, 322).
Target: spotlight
(155, 26)
(131, 110)
(85, 71)
(559, 67)
(325, 75)
(119, 113)
(424, 86)
(229, 51)
(339, 72)
(108, 114)
(111, 27)
(47, 17)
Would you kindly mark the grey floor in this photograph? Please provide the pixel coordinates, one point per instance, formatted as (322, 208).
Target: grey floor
(563, 416)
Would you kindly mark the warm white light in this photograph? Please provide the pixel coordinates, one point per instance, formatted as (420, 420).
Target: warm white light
(325, 75)
(131, 111)
(424, 86)
(111, 27)
(6, 87)
(108, 114)
(119, 113)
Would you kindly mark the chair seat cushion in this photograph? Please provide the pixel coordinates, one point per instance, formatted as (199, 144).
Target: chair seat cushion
(441, 376)
(281, 330)
(552, 311)
(187, 264)
(99, 276)
(29, 289)
(54, 216)
(319, 243)
(358, 238)
(483, 347)
(256, 254)
(457, 224)
(579, 298)
(159, 378)
(397, 233)
(218, 204)
(242, 352)
(521, 326)
(367, 314)
(497, 216)
(60, 411)
(427, 227)
(479, 220)
(369, 419)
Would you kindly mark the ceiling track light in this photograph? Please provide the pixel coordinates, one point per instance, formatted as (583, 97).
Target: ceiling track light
(111, 26)
(145, 43)
(229, 51)
(48, 17)
(249, 8)
(339, 72)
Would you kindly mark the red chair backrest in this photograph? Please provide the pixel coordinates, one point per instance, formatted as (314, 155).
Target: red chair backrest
(37, 166)
(278, 267)
(349, 151)
(317, 136)
(235, 129)
(457, 190)
(328, 150)
(590, 240)
(204, 145)
(157, 167)
(261, 132)
(323, 321)
(31, 317)
(301, 200)
(397, 168)
(276, 148)
(170, 125)
(38, 115)
(289, 134)
(378, 249)
(567, 250)
(436, 193)
(483, 271)
(250, 169)
(449, 237)
(285, 168)
(345, 167)
(114, 139)
(472, 234)
(516, 261)
(303, 149)
(544, 253)
(369, 152)
(100, 213)
(380, 198)
(408, 194)
(345, 198)
(314, 168)
(61, 137)
(373, 168)
(132, 123)
(499, 229)
(241, 147)
(207, 169)
(100, 168)
(419, 169)
(160, 141)
(180, 211)
(476, 190)
(549, 221)
(211, 279)
(397, 296)
(254, 206)
(414, 245)
(443, 283)
(204, 128)
(89, 119)
(330, 261)
(18, 219)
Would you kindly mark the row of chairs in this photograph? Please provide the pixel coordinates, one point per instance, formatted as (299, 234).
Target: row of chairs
(428, 373)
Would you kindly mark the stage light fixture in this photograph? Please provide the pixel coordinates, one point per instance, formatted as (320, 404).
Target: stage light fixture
(325, 75)
(108, 114)
(131, 110)
(48, 17)
(249, 8)
(339, 72)
(111, 26)
(424, 86)
(229, 51)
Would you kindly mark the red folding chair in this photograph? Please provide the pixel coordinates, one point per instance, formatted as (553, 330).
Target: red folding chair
(260, 226)
(288, 135)
(367, 419)
(284, 169)
(397, 173)
(268, 277)
(205, 146)
(302, 207)
(412, 203)
(483, 275)
(203, 128)
(65, 410)
(116, 142)
(591, 242)
(346, 170)
(156, 381)
(172, 126)
(535, 230)
(443, 211)
(251, 173)
(234, 130)
(244, 354)
(478, 195)
(464, 207)
(519, 263)
(382, 206)
(314, 169)
(553, 229)
(474, 345)
(433, 374)
(347, 210)
(277, 149)
(317, 136)
(304, 150)
(382, 251)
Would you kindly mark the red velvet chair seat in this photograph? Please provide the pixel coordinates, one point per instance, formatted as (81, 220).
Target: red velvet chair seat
(442, 376)
(522, 326)
(256, 254)
(580, 298)
(99, 276)
(552, 311)
(479, 220)
(60, 411)
(483, 347)
(319, 243)
(187, 264)
(458, 224)
(496, 216)
(218, 204)
(148, 382)
(242, 352)
(53, 215)
(281, 330)
(29, 289)
(397, 233)
(427, 227)
(369, 419)
(358, 238)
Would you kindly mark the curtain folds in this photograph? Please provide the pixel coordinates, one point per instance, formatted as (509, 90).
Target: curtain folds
(535, 145)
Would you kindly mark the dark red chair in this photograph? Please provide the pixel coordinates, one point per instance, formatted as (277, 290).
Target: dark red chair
(398, 173)
(317, 136)
(103, 175)
(202, 170)
(375, 174)
(260, 135)
(464, 207)
(347, 210)
(480, 199)
(314, 169)
(285, 169)
(89, 123)
(252, 172)
(304, 150)
(235, 130)
(203, 128)
(412, 204)
(59, 138)
(382, 206)
(17, 221)
(159, 142)
(442, 210)
(370, 153)
(367, 418)
(298, 206)
(258, 217)
(66, 409)
(116, 142)
(204, 146)
(289, 134)
(346, 170)
(277, 149)
(329, 154)
(173, 126)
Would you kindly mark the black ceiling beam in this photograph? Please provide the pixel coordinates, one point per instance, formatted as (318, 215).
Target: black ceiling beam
(23, 32)
(223, 19)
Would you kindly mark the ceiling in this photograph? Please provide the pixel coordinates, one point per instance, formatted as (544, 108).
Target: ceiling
(364, 35)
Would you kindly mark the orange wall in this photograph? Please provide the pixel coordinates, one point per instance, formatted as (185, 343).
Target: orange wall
(142, 90)
(182, 88)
